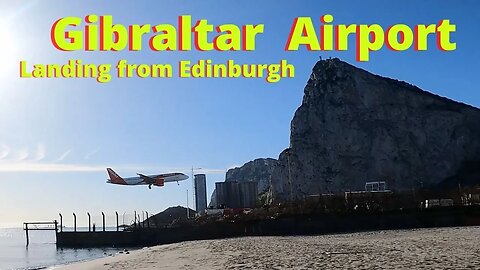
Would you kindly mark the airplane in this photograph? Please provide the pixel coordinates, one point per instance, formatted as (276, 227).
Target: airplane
(158, 180)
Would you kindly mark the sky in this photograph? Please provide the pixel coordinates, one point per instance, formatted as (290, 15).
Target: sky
(57, 136)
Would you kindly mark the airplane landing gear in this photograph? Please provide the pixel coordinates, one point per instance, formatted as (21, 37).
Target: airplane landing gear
(150, 186)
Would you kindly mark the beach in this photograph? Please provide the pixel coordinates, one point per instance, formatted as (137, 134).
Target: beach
(445, 248)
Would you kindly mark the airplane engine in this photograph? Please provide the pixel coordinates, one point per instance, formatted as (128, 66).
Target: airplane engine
(159, 182)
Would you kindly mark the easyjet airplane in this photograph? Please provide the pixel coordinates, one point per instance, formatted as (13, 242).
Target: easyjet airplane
(158, 180)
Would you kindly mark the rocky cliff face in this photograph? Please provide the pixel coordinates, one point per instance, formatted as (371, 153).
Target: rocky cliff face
(354, 126)
(258, 170)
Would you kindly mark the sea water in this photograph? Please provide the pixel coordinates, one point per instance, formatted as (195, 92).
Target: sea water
(42, 251)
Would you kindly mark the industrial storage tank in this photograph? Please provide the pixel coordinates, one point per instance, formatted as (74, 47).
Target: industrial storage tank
(236, 194)
(248, 194)
(227, 194)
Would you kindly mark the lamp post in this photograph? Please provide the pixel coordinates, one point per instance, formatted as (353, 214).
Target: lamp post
(188, 212)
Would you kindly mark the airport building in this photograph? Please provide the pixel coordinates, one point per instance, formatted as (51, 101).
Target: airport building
(236, 194)
(200, 182)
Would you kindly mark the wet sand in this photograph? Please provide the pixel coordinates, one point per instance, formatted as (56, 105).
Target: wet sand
(438, 248)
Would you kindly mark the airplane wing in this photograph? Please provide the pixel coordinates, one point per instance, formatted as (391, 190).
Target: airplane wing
(147, 179)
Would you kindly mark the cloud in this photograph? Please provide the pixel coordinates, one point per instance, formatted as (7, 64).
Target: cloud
(59, 168)
(47, 167)
(4, 151)
(92, 153)
(212, 171)
(22, 160)
(40, 153)
(20, 155)
(195, 171)
(63, 156)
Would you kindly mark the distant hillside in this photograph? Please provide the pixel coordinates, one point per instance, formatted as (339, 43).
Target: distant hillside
(168, 216)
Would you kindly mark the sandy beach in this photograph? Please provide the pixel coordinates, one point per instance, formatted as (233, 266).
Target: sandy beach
(439, 248)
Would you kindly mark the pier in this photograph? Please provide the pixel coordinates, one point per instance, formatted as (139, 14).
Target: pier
(39, 226)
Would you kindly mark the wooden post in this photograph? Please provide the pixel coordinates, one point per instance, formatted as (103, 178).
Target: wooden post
(89, 222)
(116, 215)
(56, 230)
(61, 222)
(148, 221)
(26, 233)
(103, 221)
(74, 222)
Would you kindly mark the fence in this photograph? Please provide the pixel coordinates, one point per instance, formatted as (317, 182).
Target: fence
(92, 222)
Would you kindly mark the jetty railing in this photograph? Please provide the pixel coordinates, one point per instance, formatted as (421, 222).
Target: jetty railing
(122, 221)
(137, 219)
(39, 226)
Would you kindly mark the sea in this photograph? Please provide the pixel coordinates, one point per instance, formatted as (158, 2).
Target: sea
(42, 252)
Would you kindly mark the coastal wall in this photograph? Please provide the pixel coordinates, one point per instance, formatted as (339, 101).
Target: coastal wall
(294, 225)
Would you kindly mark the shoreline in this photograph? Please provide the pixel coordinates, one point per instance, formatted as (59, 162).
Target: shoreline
(396, 249)
(93, 258)
(170, 256)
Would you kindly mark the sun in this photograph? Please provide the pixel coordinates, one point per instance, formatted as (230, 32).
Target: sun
(8, 50)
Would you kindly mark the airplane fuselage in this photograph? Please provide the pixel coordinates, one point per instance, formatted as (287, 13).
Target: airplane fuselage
(155, 180)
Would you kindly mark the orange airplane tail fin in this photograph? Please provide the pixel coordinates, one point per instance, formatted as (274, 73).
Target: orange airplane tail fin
(115, 178)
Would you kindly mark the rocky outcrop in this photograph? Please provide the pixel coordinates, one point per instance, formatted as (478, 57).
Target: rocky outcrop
(258, 170)
(354, 126)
